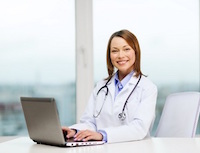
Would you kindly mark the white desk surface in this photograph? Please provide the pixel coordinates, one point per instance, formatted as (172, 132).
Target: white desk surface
(151, 145)
(7, 138)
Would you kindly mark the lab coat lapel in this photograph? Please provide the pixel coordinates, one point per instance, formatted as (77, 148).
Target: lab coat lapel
(133, 81)
(129, 87)
(111, 87)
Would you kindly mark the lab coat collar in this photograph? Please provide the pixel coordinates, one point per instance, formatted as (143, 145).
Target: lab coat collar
(111, 84)
(134, 80)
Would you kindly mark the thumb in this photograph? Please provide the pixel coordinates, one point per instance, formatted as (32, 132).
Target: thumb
(70, 132)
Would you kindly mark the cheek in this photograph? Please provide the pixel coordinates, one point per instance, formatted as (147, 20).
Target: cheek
(112, 58)
(132, 57)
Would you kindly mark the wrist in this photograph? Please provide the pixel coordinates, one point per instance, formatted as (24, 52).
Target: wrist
(100, 136)
(104, 135)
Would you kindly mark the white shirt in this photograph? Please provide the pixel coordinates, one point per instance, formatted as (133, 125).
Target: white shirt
(120, 84)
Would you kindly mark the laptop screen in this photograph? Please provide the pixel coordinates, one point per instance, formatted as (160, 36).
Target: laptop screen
(43, 122)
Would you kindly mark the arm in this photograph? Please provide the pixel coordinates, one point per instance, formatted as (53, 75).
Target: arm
(87, 122)
(87, 126)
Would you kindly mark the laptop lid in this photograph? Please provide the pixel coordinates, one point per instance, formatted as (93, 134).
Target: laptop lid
(43, 122)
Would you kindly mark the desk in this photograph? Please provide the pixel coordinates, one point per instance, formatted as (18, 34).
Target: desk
(7, 138)
(151, 145)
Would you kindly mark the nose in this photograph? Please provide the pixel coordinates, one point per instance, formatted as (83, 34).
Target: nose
(121, 54)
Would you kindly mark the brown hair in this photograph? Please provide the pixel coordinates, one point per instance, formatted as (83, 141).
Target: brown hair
(131, 39)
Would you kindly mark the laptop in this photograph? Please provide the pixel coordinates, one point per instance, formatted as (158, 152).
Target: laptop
(43, 123)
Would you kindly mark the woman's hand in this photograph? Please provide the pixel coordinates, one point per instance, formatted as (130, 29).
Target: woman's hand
(70, 132)
(86, 135)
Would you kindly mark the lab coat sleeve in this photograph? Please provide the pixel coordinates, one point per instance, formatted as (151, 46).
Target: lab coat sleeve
(87, 120)
(139, 127)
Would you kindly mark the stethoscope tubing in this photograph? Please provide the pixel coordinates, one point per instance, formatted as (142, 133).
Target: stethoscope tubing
(131, 94)
(122, 115)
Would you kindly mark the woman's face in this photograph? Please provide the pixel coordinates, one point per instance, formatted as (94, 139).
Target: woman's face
(122, 56)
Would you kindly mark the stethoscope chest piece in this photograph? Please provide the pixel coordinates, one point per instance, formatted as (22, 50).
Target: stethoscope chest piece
(122, 116)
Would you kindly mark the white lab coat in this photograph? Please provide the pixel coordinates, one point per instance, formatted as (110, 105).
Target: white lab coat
(140, 110)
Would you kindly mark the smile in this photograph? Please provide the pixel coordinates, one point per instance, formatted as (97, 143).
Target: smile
(121, 62)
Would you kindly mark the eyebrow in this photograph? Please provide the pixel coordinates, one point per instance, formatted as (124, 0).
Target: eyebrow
(122, 47)
(126, 46)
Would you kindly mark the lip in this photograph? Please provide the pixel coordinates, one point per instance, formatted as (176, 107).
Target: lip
(122, 62)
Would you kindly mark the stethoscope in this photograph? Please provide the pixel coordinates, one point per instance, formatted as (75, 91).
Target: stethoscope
(122, 115)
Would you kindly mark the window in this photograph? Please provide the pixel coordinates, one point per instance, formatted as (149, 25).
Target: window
(37, 58)
(168, 33)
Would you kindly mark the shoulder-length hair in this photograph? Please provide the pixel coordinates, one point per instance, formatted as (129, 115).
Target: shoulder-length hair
(131, 39)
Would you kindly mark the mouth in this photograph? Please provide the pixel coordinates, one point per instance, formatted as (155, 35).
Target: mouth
(122, 62)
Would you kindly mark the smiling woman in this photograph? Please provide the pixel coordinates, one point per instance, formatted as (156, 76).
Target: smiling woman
(168, 32)
(37, 50)
(123, 52)
(117, 96)
(122, 56)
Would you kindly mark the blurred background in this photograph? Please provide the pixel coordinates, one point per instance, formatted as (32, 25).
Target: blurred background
(38, 57)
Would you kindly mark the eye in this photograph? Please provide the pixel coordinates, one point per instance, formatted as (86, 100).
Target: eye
(114, 51)
(127, 49)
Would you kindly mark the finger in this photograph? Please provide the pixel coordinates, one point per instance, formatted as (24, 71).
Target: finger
(70, 135)
(88, 138)
(81, 135)
(78, 134)
(65, 128)
(70, 132)
(94, 136)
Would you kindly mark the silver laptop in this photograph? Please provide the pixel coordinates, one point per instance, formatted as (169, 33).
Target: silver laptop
(43, 123)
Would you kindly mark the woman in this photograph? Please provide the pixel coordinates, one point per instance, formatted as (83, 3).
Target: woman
(121, 107)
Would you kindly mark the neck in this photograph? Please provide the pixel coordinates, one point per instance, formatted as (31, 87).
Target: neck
(121, 75)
